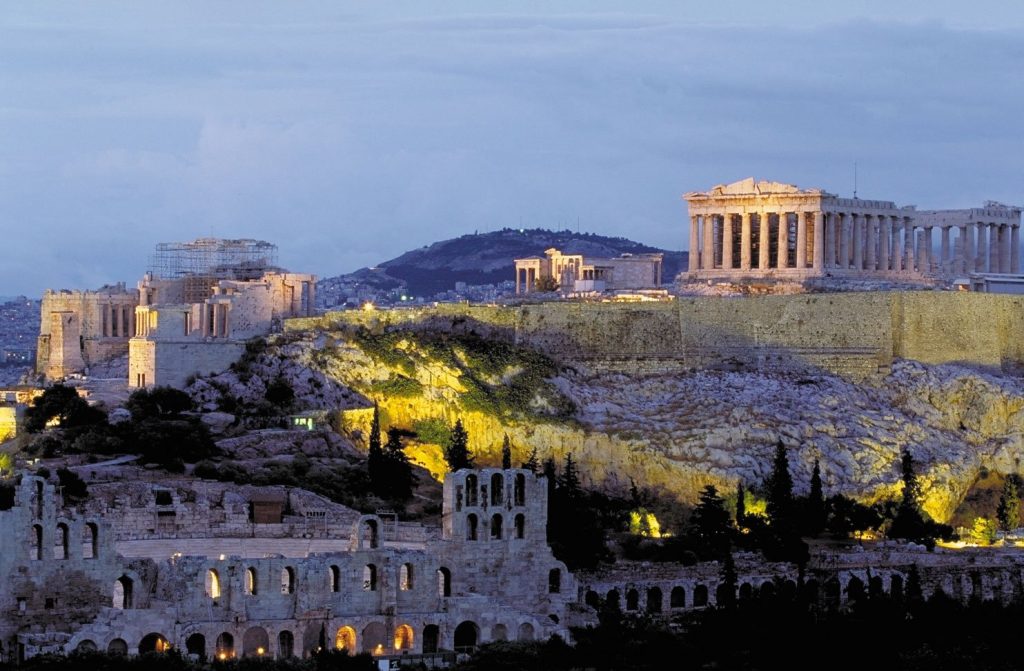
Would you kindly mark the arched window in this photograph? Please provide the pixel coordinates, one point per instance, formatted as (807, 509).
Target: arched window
(403, 637)
(554, 581)
(369, 578)
(345, 639)
(496, 530)
(153, 643)
(520, 524)
(252, 585)
(405, 577)
(746, 591)
(225, 646)
(375, 638)
(285, 645)
(444, 582)
(371, 536)
(39, 498)
(471, 490)
(36, 550)
(118, 646)
(287, 580)
(255, 642)
(855, 589)
(700, 596)
(196, 645)
(123, 593)
(90, 541)
(654, 600)
(212, 584)
(335, 579)
(60, 545)
(525, 632)
(519, 493)
(467, 635)
(471, 525)
(499, 632)
(497, 489)
(612, 599)
(632, 599)
(677, 599)
(592, 599)
(86, 646)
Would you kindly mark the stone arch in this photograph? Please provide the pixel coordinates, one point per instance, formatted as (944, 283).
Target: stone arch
(225, 646)
(123, 597)
(285, 644)
(767, 591)
(875, 586)
(854, 589)
(700, 596)
(520, 526)
(334, 578)
(467, 636)
(472, 525)
(592, 599)
(496, 526)
(370, 578)
(375, 638)
(345, 639)
(497, 489)
(152, 642)
(369, 532)
(60, 542)
(252, 583)
(472, 490)
(86, 646)
(612, 599)
(312, 636)
(406, 577)
(554, 581)
(519, 490)
(255, 642)
(896, 586)
(90, 541)
(117, 646)
(287, 580)
(499, 632)
(746, 591)
(444, 582)
(724, 594)
(677, 597)
(431, 638)
(196, 645)
(654, 600)
(36, 547)
(212, 584)
(632, 599)
(525, 633)
(404, 637)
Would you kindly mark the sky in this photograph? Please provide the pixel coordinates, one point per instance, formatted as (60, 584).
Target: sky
(349, 132)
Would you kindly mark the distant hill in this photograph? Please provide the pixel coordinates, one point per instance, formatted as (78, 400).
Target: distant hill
(486, 258)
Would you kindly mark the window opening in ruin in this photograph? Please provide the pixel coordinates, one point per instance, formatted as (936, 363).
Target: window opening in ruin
(163, 497)
(592, 599)
(405, 577)
(60, 548)
(444, 582)
(123, 593)
(431, 634)
(36, 551)
(212, 584)
(86, 646)
(466, 636)
(525, 632)
(499, 632)
(677, 599)
(654, 600)
(471, 525)
(196, 645)
(225, 646)
(153, 643)
(118, 646)
(90, 544)
(166, 522)
(287, 580)
(554, 581)
(896, 586)
(632, 599)
(520, 524)
(496, 524)
(285, 645)
(497, 489)
(746, 592)
(251, 581)
(700, 596)
(371, 533)
(369, 578)
(39, 498)
(50, 603)
(345, 639)
(519, 493)
(612, 598)
(403, 637)
(22, 604)
(335, 579)
(471, 490)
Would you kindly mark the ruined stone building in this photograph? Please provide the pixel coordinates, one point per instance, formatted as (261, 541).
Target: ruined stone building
(763, 229)
(213, 570)
(572, 273)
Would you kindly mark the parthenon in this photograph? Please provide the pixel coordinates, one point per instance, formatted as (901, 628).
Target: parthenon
(769, 229)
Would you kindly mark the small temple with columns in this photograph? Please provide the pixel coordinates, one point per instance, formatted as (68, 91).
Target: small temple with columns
(751, 229)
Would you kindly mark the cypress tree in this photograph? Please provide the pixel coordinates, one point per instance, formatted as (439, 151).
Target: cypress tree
(375, 458)
(741, 504)
(457, 455)
(1008, 510)
(506, 453)
(570, 481)
(727, 589)
(551, 473)
(815, 522)
(398, 471)
(710, 521)
(532, 464)
(780, 489)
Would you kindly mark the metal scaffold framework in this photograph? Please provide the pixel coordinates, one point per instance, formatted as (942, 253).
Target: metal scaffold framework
(213, 257)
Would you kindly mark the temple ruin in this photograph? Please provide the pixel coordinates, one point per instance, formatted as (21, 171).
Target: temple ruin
(572, 273)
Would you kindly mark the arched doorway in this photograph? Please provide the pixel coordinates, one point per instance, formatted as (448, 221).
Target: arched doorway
(123, 593)
(431, 638)
(255, 642)
(117, 647)
(196, 645)
(85, 647)
(467, 635)
(225, 647)
(345, 639)
(403, 637)
(285, 645)
(153, 643)
(525, 632)
(375, 638)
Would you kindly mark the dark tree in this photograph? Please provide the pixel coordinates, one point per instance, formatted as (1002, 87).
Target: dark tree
(506, 453)
(1008, 510)
(158, 403)
(710, 522)
(73, 487)
(375, 456)
(909, 522)
(63, 404)
(397, 469)
(780, 490)
(457, 454)
(532, 464)
(813, 522)
(741, 504)
(570, 480)
(280, 393)
(913, 591)
(727, 589)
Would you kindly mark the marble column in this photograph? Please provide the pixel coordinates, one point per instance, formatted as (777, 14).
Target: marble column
(857, 222)
(993, 248)
(801, 240)
(908, 244)
(964, 264)
(1004, 248)
(762, 239)
(944, 256)
(122, 321)
(1015, 249)
(884, 236)
(818, 262)
(782, 255)
(845, 238)
(693, 262)
(830, 238)
(727, 241)
(928, 249)
(745, 242)
(897, 237)
(981, 262)
(871, 233)
(707, 257)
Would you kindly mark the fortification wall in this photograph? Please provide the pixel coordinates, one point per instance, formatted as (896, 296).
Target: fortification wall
(856, 335)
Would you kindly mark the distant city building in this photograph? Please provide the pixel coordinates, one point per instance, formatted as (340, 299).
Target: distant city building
(572, 273)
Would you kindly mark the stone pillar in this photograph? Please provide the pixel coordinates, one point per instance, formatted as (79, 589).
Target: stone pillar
(981, 262)
(1004, 248)
(693, 263)
(762, 238)
(830, 238)
(845, 238)
(312, 299)
(707, 256)
(818, 262)
(1015, 249)
(857, 224)
(122, 314)
(944, 256)
(908, 244)
(801, 240)
(993, 248)
(964, 263)
(108, 320)
(897, 237)
(929, 249)
(884, 236)
(871, 228)
(782, 257)
(727, 241)
(745, 242)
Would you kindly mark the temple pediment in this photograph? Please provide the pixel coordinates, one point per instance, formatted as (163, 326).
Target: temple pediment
(750, 187)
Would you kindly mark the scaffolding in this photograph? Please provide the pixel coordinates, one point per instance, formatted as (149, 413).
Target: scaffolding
(213, 258)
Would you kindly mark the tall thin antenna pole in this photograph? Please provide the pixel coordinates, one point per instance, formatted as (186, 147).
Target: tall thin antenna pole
(854, 179)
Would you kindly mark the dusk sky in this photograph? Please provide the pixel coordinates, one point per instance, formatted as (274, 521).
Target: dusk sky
(347, 133)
